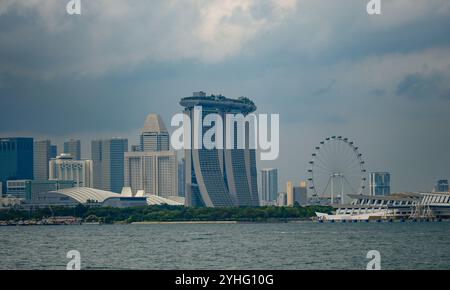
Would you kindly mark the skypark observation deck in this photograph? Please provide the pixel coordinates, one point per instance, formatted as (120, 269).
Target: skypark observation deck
(241, 105)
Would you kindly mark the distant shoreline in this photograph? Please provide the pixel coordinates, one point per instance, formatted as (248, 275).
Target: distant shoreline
(184, 222)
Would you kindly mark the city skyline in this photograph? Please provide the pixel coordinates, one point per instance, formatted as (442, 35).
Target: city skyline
(383, 83)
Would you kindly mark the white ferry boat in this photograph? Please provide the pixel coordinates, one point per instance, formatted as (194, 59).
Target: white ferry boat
(434, 205)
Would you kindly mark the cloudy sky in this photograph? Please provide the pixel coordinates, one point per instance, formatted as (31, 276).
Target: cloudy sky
(326, 66)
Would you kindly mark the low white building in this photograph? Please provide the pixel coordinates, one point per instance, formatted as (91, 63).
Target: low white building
(64, 167)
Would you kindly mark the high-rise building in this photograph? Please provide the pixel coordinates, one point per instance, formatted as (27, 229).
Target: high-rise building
(301, 194)
(269, 184)
(65, 167)
(16, 159)
(380, 183)
(297, 195)
(154, 135)
(54, 151)
(219, 177)
(282, 199)
(181, 178)
(96, 157)
(42, 153)
(73, 147)
(154, 172)
(153, 168)
(108, 162)
(441, 186)
(113, 156)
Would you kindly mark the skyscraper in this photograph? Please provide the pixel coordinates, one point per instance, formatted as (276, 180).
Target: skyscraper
(96, 157)
(441, 186)
(181, 177)
(154, 135)
(219, 177)
(54, 151)
(42, 153)
(290, 193)
(301, 194)
(153, 168)
(297, 195)
(108, 163)
(16, 159)
(380, 183)
(65, 167)
(154, 172)
(73, 147)
(269, 184)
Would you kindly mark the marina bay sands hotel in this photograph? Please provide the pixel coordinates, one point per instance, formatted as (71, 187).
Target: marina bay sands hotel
(220, 177)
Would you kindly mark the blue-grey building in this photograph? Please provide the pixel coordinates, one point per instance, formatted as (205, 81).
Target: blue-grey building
(42, 154)
(108, 163)
(16, 159)
(54, 151)
(380, 183)
(73, 147)
(219, 177)
(181, 177)
(269, 184)
(441, 186)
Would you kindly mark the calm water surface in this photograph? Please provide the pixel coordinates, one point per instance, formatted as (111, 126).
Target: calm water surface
(228, 246)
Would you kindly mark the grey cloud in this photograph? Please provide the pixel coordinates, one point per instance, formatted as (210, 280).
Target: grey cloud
(325, 89)
(420, 86)
(106, 70)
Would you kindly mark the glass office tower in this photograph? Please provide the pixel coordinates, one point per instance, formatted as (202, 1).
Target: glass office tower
(380, 183)
(269, 184)
(16, 159)
(73, 147)
(108, 163)
(42, 154)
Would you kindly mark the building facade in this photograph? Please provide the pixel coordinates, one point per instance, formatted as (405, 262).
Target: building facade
(181, 177)
(154, 135)
(269, 184)
(153, 169)
(154, 172)
(380, 183)
(297, 195)
(441, 186)
(282, 199)
(65, 167)
(54, 151)
(27, 189)
(16, 159)
(42, 153)
(73, 147)
(219, 177)
(96, 157)
(108, 158)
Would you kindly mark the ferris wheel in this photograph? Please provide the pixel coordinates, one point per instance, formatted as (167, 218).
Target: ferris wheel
(336, 169)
